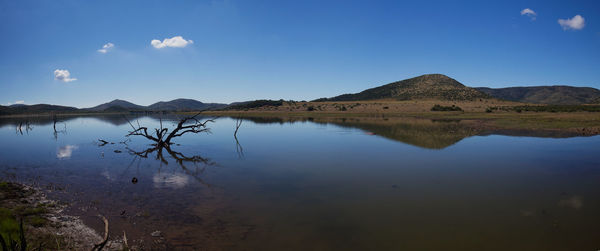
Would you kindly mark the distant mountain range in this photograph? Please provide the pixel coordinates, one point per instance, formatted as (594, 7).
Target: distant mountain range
(556, 95)
(116, 105)
(173, 105)
(430, 86)
(184, 104)
(35, 109)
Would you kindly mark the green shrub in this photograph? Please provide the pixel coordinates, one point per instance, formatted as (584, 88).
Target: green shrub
(255, 104)
(440, 108)
(557, 108)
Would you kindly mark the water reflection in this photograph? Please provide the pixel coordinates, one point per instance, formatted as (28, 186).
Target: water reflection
(170, 180)
(321, 183)
(199, 163)
(425, 133)
(575, 202)
(65, 152)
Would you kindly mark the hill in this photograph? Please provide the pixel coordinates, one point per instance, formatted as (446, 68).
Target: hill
(117, 104)
(254, 104)
(36, 109)
(556, 95)
(183, 105)
(430, 86)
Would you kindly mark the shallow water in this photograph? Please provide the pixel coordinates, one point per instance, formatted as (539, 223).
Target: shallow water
(320, 184)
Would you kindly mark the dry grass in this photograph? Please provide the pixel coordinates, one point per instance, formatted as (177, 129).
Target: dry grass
(583, 123)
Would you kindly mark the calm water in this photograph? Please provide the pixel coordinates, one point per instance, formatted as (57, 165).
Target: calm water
(320, 184)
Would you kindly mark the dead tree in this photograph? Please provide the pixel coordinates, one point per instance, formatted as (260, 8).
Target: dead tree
(238, 123)
(238, 146)
(162, 137)
(54, 120)
(56, 132)
(27, 125)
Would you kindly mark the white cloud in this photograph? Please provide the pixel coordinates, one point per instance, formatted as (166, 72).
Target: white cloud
(575, 23)
(176, 41)
(106, 48)
(63, 75)
(65, 152)
(529, 12)
(18, 102)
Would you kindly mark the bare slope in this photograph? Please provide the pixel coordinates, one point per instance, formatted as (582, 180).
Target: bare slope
(430, 86)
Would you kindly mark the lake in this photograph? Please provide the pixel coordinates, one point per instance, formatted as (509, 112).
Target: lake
(318, 183)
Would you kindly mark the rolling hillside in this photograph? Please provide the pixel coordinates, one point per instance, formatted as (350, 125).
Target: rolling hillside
(183, 105)
(430, 86)
(35, 109)
(556, 95)
(115, 105)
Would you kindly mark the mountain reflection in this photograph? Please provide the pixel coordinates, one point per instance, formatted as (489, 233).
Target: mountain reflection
(425, 133)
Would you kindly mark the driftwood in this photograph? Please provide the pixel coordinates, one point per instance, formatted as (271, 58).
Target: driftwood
(102, 142)
(101, 245)
(125, 241)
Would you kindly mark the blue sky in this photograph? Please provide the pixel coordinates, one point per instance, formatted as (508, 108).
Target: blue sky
(301, 50)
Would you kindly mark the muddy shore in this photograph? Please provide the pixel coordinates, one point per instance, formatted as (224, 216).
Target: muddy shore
(44, 222)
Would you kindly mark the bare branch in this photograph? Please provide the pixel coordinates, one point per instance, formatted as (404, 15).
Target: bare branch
(101, 245)
(162, 136)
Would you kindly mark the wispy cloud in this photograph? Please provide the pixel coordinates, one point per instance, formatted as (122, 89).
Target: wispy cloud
(176, 41)
(107, 47)
(529, 12)
(18, 102)
(575, 23)
(63, 75)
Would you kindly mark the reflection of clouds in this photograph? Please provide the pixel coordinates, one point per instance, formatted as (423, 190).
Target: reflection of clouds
(106, 175)
(65, 152)
(574, 202)
(170, 180)
(527, 212)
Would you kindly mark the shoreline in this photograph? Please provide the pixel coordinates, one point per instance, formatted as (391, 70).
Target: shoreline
(487, 114)
(578, 123)
(45, 223)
